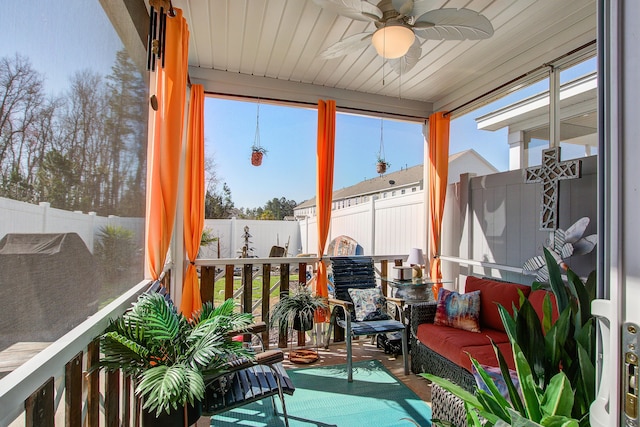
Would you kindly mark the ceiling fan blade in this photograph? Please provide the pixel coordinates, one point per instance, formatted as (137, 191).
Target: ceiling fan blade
(404, 7)
(420, 7)
(347, 45)
(355, 9)
(453, 24)
(409, 60)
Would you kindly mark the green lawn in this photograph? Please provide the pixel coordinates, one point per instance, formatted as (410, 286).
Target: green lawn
(257, 287)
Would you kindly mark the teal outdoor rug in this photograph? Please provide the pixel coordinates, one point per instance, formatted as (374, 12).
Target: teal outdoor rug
(324, 398)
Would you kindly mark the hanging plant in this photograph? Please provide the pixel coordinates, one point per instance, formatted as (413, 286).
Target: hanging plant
(382, 164)
(257, 151)
(256, 155)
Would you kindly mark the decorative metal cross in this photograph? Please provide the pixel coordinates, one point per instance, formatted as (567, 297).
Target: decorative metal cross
(549, 173)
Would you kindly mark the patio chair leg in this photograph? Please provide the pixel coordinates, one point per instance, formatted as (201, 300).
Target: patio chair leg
(349, 362)
(284, 406)
(405, 352)
(332, 320)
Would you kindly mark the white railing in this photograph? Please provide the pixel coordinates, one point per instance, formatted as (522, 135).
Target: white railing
(20, 384)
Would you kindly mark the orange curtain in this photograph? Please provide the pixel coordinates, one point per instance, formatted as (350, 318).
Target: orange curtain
(324, 188)
(193, 200)
(165, 144)
(438, 172)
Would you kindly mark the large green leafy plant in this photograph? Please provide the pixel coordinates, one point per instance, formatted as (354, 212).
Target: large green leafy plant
(554, 360)
(169, 356)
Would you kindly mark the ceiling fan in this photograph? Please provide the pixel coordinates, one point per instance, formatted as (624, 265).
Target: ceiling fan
(398, 22)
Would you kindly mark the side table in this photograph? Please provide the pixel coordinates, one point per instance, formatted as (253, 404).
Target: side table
(413, 291)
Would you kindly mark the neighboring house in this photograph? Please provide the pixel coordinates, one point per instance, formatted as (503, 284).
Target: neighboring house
(527, 122)
(404, 181)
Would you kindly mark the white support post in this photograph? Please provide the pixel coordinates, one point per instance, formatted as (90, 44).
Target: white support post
(178, 253)
(425, 179)
(517, 147)
(45, 212)
(372, 235)
(554, 107)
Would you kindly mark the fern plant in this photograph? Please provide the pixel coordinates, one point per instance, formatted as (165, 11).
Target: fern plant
(170, 357)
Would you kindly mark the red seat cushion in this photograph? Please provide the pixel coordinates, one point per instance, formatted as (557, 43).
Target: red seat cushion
(493, 293)
(486, 355)
(449, 342)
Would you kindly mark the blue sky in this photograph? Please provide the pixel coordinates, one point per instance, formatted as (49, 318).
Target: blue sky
(289, 135)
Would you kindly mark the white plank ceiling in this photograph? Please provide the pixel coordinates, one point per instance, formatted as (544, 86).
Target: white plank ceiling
(269, 49)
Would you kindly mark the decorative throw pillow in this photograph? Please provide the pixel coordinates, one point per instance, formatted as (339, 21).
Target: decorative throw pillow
(369, 304)
(496, 375)
(460, 311)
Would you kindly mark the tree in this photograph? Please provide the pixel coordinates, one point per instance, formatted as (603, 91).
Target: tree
(280, 208)
(218, 205)
(126, 128)
(20, 100)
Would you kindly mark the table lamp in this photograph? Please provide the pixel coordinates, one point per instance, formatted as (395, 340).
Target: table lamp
(416, 260)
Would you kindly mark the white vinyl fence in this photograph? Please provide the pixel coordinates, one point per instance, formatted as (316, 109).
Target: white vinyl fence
(21, 217)
(382, 227)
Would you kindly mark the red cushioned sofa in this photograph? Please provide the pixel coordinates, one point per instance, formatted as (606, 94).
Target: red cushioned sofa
(445, 350)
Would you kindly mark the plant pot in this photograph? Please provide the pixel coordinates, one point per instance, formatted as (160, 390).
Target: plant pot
(256, 158)
(303, 322)
(381, 167)
(173, 418)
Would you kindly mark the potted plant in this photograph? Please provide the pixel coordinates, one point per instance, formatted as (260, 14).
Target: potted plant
(170, 357)
(382, 165)
(554, 362)
(257, 152)
(297, 310)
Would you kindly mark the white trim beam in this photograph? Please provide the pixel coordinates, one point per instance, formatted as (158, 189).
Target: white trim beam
(235, 85)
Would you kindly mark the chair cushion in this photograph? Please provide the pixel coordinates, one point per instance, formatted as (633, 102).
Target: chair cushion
(492, 294)
(485, 355)
(369, 304)
(460, 311)
(375, 327)
(449, 342)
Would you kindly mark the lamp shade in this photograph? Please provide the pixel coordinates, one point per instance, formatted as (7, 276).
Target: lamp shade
(393, 41)
(415, 257)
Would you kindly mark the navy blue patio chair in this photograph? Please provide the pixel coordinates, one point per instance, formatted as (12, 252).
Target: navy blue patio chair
(354, 279)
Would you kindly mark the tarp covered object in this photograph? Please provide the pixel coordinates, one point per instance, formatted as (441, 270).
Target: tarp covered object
(48, 285)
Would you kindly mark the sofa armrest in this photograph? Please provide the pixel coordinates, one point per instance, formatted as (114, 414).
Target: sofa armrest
(423, 312)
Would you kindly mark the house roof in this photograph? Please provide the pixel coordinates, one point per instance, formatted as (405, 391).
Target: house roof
(403, 178)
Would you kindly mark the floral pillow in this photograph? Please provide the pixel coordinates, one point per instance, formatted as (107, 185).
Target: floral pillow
(460, 311)
(369, 304)
(496, 375)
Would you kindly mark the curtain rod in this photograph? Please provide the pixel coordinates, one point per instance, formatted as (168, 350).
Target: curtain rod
(522, 76)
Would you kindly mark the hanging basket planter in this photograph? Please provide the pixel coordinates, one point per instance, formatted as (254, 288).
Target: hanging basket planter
(256, 156)
(257, 151)
(381, 166)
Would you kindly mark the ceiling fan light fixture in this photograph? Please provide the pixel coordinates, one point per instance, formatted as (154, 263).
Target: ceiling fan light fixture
(393, 41)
